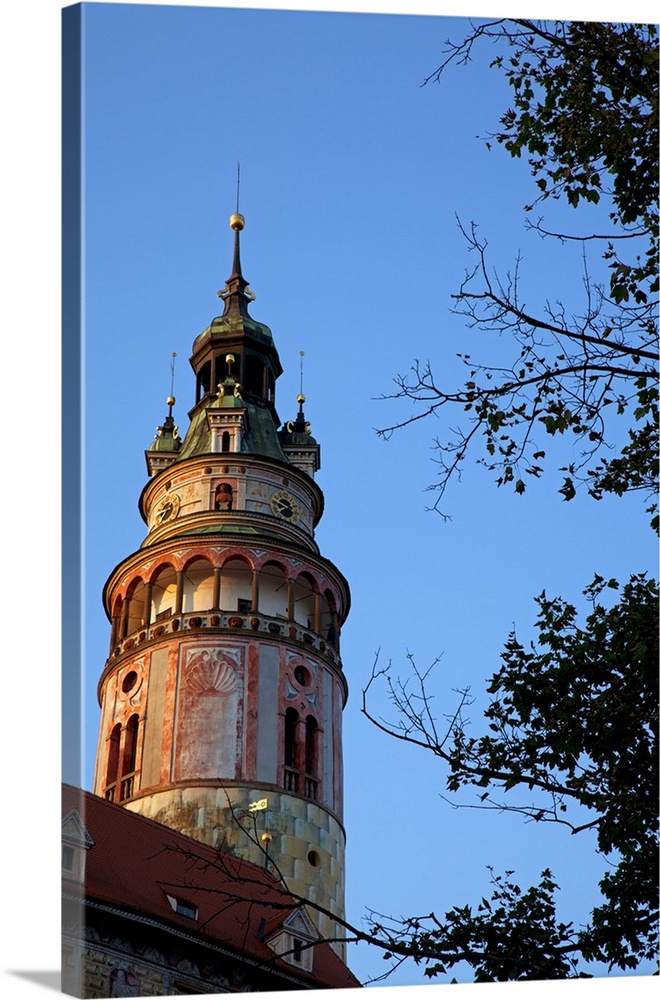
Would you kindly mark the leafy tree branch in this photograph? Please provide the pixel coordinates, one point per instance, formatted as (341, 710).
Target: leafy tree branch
(573, 720)
(585, 113)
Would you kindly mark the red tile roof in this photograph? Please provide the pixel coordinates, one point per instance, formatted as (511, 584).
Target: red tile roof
(136, 863)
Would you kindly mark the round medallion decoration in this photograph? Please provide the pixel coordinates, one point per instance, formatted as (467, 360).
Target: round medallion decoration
(130, 684)
(129, 681)
(167, 508)
(283, 505)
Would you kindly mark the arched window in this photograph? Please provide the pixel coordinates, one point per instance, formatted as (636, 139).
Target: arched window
(273, 591)
(203, 381)
(304, 603)
(329, 623)
(112, 768)
(255, 376)
(290, 769)
(311, 757)
(115, 633)
(135, 597)
(198, 586)
(301, 754)
(163, 593)
(130, 745)
(236, 593)
(129, 758)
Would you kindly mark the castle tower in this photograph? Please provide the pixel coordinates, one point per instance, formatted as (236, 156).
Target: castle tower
(222, 696)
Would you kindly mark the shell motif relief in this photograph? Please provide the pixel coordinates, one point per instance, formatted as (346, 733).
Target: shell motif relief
(212, 673)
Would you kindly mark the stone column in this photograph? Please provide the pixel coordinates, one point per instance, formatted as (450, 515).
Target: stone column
(217, 574)
(125, 611)
(179, 593)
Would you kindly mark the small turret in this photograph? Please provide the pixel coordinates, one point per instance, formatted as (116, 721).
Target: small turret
(165, 446)
(300, 448)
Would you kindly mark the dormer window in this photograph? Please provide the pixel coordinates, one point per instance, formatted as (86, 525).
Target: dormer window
(183, 907)
(76, 841)
(228, 424)
(294, 940)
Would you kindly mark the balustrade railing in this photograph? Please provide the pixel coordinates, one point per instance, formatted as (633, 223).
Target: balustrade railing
(126, 786)
(127, 783)
(310, 785)
(290, 779)
(252, 621)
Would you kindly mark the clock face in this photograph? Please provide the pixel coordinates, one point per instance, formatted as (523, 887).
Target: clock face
(167, 508)
(283, 505)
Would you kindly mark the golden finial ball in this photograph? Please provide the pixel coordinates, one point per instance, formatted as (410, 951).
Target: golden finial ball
(171, 400)
(236, 221)
(300, 398)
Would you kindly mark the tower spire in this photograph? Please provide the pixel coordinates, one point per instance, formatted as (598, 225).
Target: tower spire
(170, 399)
(236, 294)
(300, 399)
(237, 222)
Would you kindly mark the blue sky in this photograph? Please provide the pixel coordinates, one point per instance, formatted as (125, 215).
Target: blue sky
(352, 175)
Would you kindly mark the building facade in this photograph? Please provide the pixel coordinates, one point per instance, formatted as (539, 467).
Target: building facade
(222, 696)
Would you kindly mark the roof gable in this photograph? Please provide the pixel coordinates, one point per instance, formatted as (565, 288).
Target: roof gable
(74, 830)
(300, 924)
